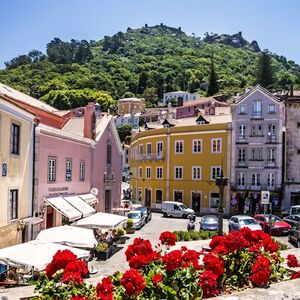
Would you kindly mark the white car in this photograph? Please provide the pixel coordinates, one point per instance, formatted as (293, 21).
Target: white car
(240, 221)
(129, 204)
(137, 217)
(176, 209)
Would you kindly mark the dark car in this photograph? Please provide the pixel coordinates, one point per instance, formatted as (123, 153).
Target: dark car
(294, 235)
(292, 219)
(209, 222)
(279, 227)
(146, 211)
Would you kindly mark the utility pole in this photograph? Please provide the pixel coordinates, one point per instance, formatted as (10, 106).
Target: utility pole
(221, 182)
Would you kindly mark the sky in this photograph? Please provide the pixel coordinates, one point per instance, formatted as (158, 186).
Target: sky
(31, 24)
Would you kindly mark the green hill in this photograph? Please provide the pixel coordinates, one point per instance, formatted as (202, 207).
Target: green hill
(145, 62)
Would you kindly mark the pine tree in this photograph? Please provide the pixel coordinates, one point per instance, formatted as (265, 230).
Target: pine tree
(264, 71)
(212, 83)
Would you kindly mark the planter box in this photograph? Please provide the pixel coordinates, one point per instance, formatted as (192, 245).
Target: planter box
(130, 230)
(121, 239)
(104, 255)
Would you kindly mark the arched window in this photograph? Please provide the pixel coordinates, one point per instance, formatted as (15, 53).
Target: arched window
(108, 154)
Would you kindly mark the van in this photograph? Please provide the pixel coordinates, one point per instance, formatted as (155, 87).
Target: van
(175, 209)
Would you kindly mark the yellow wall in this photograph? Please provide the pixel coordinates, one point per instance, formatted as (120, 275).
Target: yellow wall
(126, 107)
(206, 159)
(18, 170)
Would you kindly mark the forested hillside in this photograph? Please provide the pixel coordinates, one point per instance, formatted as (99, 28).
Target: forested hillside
(143, 62)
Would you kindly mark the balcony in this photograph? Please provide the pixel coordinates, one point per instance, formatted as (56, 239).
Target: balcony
(151, 156)
(271, 139)
(109, 178)
(261, 187)
(241, 164)
(242, 139)
(257, 115)
(271, 163)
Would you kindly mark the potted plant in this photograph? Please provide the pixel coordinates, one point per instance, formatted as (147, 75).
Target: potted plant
(103, 251)
(129, 228)
(120, 237)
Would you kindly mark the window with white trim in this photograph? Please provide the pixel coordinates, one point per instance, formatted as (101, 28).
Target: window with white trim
(178, 172)
(271, 109)
(242, 132)
(68, 170)
(140, 172)
(257, 109)
(196, 173)
(51, 169)
(215, 172)
(148, 149)
(159, 149)
(158, 196)
(240, 178)
(242, 109)
(255, 179)
(141, 151)
(271, 179)
(271, 155)
(216, 145)
(159, 172)
(82, 171)
(13, 204)
(256, 153)
(197, 146)
(241, 155)
(178, 146)
(148, 172)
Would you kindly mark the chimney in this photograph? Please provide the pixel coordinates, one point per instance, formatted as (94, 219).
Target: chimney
(212, 109)
(89, 121)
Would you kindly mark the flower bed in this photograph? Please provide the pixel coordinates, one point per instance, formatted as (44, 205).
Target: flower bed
(241, 259)
(184, 235)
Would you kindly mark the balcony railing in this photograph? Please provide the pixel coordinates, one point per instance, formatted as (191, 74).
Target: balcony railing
(272, 138)
(109, 177)
(242, 138)
(271, 163)
(257, 115)
(261, 187)
(151, 156)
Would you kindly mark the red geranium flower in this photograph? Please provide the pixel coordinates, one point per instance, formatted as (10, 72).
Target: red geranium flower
(209, 284)
(133, 282)
(261, 271)
(214, 264)
(157, 278)
(292, 261)
(105, 289)
(168, 238)
(173, 260)
(296, 275)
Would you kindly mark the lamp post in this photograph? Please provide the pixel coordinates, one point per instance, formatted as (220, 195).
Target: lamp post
(221, 182)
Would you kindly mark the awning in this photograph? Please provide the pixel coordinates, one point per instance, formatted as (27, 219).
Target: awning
(64, 208)
(34, 254)
(101, 220)
(80, 205)
(90, 199)
(32, 220)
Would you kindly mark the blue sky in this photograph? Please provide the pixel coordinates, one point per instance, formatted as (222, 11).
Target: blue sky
(31, 24)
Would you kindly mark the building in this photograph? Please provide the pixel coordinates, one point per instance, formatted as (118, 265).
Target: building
(129, 105)
(16, 182)
(132, 119)
(180, 97)
(258, 126)
(125, 161)
(292, 169)
(180, 159)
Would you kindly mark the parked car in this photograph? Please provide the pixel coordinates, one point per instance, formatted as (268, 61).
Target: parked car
(279, 227)
(240, 221)
(209, 222)
(294, 234)
(146, 211)
(176, 209)
(130, 204)
(137, 217)
(292, 219)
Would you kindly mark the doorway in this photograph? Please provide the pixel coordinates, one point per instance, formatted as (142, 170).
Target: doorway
(107, 201)
(196, 201)
(178, 196)
(147, 197)
(50, 216)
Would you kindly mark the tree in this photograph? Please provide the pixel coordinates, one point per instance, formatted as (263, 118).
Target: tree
(212, 82)
(124, 132)
(128, 95)
(264, 70)
(18, 61)
(36, 55)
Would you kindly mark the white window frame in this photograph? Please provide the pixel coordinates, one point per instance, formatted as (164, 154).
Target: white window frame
(212, 172)
(196, 144)
(148, 147)
(241, 132)
(148, 172)
(81, 170)
(179, 147)
(68, 166)
(242, 154)
(52, 169)
(196, 170)
(141, 150)
(215, 148)
(272, 155)
(257, 109)
(241, 178)
(159, 149)
(140, 172)
(242, 112)
(271, 111)
(13, 204)
(159, 173)
(256, 182)
(178, 170)
(271, 179)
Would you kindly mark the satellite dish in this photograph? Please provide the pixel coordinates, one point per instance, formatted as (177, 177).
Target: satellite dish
(94, 191)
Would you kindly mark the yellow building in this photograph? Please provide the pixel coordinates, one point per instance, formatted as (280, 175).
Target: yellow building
(128, 105)
(178, 160)
(16, 159)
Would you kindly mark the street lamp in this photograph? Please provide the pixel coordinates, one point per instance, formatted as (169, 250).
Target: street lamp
(221, 182)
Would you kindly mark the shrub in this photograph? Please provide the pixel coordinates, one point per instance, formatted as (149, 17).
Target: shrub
(102, 247)
(129, 223)
(120, 231)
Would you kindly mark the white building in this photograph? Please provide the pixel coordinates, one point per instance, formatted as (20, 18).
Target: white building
(186, 96)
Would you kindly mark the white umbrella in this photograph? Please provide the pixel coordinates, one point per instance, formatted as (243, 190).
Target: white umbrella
(34, 254)
(101, 220)
(69, 236)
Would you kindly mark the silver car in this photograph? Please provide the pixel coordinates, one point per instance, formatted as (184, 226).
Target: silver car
(240, 221)
(209, 222)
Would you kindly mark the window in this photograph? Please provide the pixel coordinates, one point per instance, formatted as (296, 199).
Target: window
(159, 172)
(242, 110)
(140, 172)
(68, 170)
(82, 171)
(271, 179)
(108, 154)
(158, 196)
(141, 151)
(257, 109)
(255, 179)
(271, 133)
(256, 153)
(241, 179)
(148, 172)
(148, 149)
(196, 173)
(216, 145)
(242, 132)
(178, 196)
(241, 155)
(271, 155)
(214, 200)
(271, 109)
(197, 146)
(178, 173)
(178, 146)
(215, 172)
(15, 139)
(159, 149)
(51, 169)
(257, 130)
(13, 204)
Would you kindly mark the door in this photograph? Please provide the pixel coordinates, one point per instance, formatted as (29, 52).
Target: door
(178, 196)
(107, 201)
(147, 197)
(50, 215)
(196, 202)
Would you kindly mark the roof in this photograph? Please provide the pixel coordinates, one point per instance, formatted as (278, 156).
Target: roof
(10, 92)
(61, 113)
(177, 92)
(202, 101)
(132, 99)
(75, 125)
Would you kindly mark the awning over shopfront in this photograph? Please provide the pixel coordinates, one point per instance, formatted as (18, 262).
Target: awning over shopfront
(34, 254)
(80, 205)
(64, 207)
(101, 220)
(89, 198)
(32, 220)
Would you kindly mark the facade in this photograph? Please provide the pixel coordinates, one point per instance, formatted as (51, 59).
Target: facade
(180, 97)
(180, 160)
(128, 105)
(16, 182)
(258, 126)
(132, 119)
(125, 161)
(292, 169)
